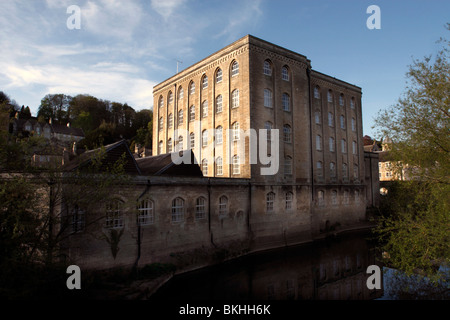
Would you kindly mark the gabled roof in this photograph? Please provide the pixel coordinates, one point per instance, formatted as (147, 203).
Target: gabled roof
(163, 165)
(113, 153)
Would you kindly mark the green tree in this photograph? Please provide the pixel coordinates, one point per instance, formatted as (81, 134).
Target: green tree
(416, 232)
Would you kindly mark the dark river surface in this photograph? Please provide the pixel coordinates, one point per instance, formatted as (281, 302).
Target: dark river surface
(330, 269)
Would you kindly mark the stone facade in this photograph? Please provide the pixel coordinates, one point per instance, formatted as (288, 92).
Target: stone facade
(235, 207)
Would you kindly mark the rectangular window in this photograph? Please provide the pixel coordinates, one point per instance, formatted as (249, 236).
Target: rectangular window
(267, 98)
(145, 213)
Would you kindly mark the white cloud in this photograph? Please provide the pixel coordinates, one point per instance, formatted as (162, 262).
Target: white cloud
(166, 7)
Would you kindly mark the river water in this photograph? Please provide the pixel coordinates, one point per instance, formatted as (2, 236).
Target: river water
(330, 269)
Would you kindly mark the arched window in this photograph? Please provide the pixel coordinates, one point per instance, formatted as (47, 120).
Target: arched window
(235, 165)
(235, 98)
(204, 82)
(219, 75)
(331, 144)
(170, 121)
(318, 142)
(270, 199)
(289, 198)
(219, 135)
(344, 171)
(161, 102)
(170, 98)
(267, 68)
(180, 93)
(160, 147)
(320, 198)
(161, 123)
(317, 92)
(353, 124)
(146, 214)
(234, 68)
(191, 87)
(180, 143)
(192, 140)
(341, 100)
(200, 208)
(114, 217)
(319, 168)
(334, 198)
(287, 165)
(219, 103)
(352, 103)
(235, 131)
(205, 167)
(192, 113)
(330, 96)
(286, 102)
(205, 108)
(223, 206)
(355, 171)
(332, 170)
(342, 120)
(180, 117)
(330, 119)
(317, 117)
(205, 138)
(169, 145)
(285, 73)
(267, 98)
(177, 209)
(343, 146)
(219, 166)
(287, 133)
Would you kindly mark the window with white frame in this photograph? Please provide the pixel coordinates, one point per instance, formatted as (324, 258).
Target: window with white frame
(219, 166)
(161, 102)
(286, 102)
(169, 145)
(285, 73)
(219, 103)
(317, 92)
(219, 76)
(170, 98)
(267, 98)
(235, 98)
(200, 208)
(160, 124)
(205, 138)
(180, 143)
(192, 140)
(352, 103)
(318, 142)
(192, 88)
(205, 108)
(219, 135)
(114, 218)
(343, 146)
(287, 133)
(270, 199)
(330, 96)
(341, 100)
(235, 131)
(330, 119)
(192, 113)
(331, 143)
(205, 82)
(180, 93)
(289, 199)
(160, 147)
(235, 165)
(170, 121)
(205, 167)
(180, 117)
(177, 209)
(287, 165)
(234, 68)
(353, 124)
(267, 68)
(146, 213)
(223, 206)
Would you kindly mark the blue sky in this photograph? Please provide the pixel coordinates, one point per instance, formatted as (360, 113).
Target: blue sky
(125, 47)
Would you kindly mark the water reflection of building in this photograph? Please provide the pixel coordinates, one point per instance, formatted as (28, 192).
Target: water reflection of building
(329, 270)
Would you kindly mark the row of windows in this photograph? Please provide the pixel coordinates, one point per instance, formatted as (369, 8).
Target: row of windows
(267, 70)
(318, 120)
(334, 197)
(332, 170)
(330, 97)
(285, 100)
(331, 145)
(204, 84)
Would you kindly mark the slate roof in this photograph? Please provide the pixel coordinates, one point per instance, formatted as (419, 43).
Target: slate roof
(162, 165)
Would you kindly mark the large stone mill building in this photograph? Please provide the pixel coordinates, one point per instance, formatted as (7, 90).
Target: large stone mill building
(231, 200)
